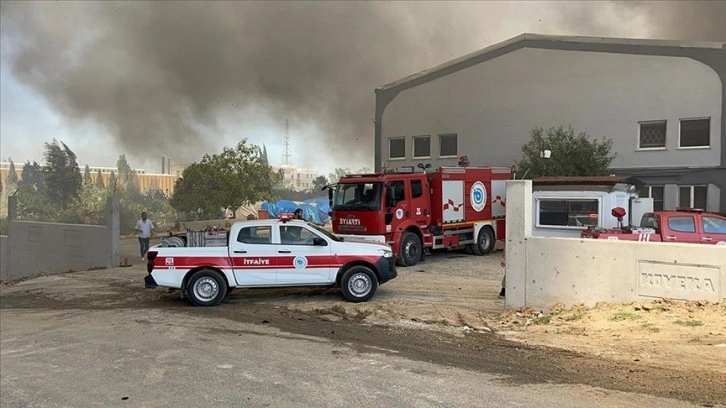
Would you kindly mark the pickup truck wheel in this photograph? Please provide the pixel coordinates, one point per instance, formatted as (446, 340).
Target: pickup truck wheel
(206, 288)
(485, 242)
(409, 250)
(359, 284)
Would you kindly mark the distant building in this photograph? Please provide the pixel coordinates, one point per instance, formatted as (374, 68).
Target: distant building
(297, 178)
(146, 181)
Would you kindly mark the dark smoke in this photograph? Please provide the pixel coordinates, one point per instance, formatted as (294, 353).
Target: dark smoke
(160, 76)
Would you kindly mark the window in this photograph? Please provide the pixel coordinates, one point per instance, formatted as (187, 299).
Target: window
(255, 235)
(416, 188)
(447, 145)
(652, 135)
(397, 148)
(682, 224)
(422, 146)
(296, 235)
(695, 132)
(712, 225)
(692, 196)
(654, 192)
(399, 192)
(578, 213)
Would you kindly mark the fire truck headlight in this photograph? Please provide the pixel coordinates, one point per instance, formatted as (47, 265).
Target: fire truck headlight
(386, 253)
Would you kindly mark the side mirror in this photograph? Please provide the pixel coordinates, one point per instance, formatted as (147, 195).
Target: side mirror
(317, 241)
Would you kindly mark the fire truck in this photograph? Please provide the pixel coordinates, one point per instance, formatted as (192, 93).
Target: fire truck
(449, 208)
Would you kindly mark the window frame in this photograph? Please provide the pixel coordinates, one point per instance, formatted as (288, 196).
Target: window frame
(538, 200)
(680, 133)
(692, 194)
(413, 146)
(441, 139)
(390, 139)
(650, 195)
(665, 136)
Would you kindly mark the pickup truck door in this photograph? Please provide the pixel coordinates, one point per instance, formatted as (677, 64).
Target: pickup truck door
(714, 230)
(680, 228)
(253, 256)
(303, 256)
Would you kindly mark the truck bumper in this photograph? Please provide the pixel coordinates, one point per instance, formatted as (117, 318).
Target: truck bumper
(369, 238)
(386, 268)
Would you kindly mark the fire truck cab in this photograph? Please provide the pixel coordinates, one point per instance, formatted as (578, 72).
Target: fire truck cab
(452, 207)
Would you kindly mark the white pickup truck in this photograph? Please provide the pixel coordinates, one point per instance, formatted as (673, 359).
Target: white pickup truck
(272, 253)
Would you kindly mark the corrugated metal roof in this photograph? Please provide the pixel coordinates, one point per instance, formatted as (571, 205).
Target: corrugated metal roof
(556, 38)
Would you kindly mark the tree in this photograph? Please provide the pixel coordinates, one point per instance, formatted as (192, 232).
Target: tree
(32, 176)
(264, 155)
(99, 179)
(126, 178)
(11, 180)
(112, 183)
(339, 172)
(570, 155)
(235, 177)
(62, 174)
(87, 176)
(318, 184)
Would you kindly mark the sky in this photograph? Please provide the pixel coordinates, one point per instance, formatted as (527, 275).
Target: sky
(181, 79)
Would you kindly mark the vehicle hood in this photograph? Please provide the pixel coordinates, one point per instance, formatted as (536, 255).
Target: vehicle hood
(362, 243)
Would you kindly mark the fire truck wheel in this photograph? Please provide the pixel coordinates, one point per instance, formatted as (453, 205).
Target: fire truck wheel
(410, 249)
(485, 242)
(359, 284)
(206, 288)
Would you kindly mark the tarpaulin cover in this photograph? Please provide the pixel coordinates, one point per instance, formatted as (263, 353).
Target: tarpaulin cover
(315, 209)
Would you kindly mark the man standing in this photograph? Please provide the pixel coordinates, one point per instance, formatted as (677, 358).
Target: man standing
(144, 227)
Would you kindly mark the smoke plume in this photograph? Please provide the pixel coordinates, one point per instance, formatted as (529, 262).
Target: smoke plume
(161, 77)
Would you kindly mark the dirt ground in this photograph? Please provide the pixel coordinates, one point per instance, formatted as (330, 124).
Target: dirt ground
(453, 295)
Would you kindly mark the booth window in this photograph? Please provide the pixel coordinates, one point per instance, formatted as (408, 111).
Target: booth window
(580, 213)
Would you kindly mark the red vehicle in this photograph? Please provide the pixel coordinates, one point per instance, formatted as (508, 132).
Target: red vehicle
(452, 207)
(683, 225)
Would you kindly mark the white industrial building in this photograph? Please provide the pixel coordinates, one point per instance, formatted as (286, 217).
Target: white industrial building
(662, 103)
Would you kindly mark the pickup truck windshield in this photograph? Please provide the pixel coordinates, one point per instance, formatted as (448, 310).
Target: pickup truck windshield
(358, 196)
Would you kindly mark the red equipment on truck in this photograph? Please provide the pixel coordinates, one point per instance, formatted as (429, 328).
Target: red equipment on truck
(452, 207)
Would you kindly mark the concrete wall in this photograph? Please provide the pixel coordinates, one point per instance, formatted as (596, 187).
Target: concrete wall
(3, 256)
(40, 247)
(543, 271)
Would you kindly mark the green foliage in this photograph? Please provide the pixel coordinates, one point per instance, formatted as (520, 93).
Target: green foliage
(32, 175)
(237, 176)
(99, 179)
(87, 176)
(61, 173)
(624, 315)
(318, 184)
(339, 172)
(11, 180)
(571, 155)
(112, 183)
(127, 182)
(689, 323)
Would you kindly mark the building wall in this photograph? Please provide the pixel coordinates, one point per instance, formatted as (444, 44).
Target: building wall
(543, 271)
(599, 85)
(494, 105)
(297, 178)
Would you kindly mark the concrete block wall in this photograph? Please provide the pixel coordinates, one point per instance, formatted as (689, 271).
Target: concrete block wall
(542, 271)
(39, 247)
(3, 256)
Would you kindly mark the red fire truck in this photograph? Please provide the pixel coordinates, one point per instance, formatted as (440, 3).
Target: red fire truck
(452, 207)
